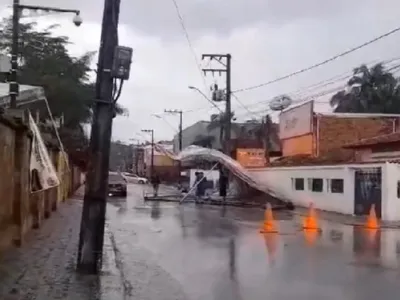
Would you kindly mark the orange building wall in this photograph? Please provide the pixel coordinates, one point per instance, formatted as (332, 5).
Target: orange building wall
(298, 145)
(251, 158)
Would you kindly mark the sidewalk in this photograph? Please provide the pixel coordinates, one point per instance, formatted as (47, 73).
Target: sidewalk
(44, 268)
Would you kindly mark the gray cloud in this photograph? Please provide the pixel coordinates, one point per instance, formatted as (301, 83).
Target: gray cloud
(159, 18)
(267, 39)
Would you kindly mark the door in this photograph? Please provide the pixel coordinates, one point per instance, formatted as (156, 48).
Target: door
(368, 191)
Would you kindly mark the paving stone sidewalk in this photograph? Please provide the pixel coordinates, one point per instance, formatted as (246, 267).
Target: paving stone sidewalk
(44, 267)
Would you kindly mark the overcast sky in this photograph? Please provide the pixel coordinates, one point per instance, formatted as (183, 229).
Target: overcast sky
(267, 39)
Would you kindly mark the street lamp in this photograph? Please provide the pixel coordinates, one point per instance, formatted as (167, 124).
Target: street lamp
(200, 92)
(180, 113)
(17, 10)
(151, 131)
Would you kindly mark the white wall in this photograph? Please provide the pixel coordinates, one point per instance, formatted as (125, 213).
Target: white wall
(390, 201)
(281, 179)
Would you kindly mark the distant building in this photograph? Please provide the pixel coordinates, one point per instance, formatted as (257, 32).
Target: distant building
(138, 166)
(251, 133)
(380, 148)
(303, 132)
(164, 166)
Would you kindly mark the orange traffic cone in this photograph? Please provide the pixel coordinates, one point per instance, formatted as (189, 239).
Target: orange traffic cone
(269, 222)
(310, 221)
(372, 221)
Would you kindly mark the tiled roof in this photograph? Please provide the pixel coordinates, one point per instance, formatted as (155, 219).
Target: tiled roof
(381, 139)
(335, 157)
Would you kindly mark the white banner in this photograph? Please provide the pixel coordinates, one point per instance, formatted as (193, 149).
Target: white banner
(42, 172)
(296, 121)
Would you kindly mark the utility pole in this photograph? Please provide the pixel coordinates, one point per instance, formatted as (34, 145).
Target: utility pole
(180, 134)
(180, 112)
(14, 87)
(225, 61)
(94, 205)
(151, 131)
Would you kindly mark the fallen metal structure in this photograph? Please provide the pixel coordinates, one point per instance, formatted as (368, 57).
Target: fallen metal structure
(194, 153)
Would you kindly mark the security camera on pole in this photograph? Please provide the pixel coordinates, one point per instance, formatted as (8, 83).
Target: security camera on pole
(17, 12)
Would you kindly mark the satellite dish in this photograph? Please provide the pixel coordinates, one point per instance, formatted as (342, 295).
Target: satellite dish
(279, 103)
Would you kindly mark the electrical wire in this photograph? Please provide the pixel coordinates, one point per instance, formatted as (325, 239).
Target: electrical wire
(305, 99)
(241, 104)
(159, 116)
(320, 63)
(332, 80)
(182, 22)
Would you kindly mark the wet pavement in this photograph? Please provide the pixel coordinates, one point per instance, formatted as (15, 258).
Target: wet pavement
(163, 251)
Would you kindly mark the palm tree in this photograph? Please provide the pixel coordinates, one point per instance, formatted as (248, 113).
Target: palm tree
(370, 90)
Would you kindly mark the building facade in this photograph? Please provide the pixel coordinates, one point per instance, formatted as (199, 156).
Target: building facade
(303, 132)
(380, 148)
(251, 133)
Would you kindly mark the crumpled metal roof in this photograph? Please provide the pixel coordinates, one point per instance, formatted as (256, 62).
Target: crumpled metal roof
(193, 152)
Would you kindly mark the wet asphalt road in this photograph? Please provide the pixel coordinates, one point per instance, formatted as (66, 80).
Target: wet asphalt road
(166, 251)
(163, 251)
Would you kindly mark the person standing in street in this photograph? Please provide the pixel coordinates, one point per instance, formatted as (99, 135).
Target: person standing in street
(155, 181)
(223, 184)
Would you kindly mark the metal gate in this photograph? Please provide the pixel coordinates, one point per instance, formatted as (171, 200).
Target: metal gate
(368, 191)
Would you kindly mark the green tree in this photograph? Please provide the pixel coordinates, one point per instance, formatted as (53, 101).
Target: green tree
(369, 90)
(44, 61)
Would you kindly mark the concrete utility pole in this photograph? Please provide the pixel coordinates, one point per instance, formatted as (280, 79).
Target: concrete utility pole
(94, 205)
(224, 60)
(151, 131)
(180, 112)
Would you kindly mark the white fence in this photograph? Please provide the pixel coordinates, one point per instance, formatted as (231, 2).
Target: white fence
(332, 188)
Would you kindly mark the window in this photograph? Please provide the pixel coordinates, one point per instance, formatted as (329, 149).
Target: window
(299, 184)
(317, 185)
(337, 186)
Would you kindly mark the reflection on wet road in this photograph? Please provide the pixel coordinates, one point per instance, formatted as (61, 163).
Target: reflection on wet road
(202, 252)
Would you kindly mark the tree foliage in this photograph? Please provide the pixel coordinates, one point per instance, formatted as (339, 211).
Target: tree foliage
(44, 61)
(369, 90)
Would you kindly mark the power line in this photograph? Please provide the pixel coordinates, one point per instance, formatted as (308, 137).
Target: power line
(241, 104)
(320, 63)
(329, 81)
(308, 98)
(182, 22)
